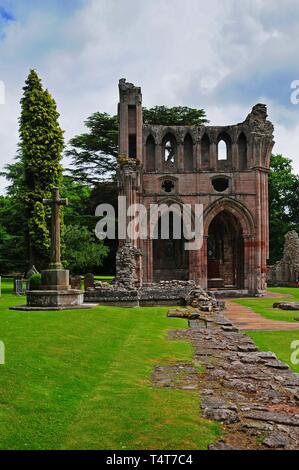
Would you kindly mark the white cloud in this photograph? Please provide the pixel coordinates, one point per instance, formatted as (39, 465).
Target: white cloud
(223, 55)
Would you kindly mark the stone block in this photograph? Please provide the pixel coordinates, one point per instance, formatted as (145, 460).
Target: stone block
(55, 279)
(88, 281)
(50, 298)
(75, 282)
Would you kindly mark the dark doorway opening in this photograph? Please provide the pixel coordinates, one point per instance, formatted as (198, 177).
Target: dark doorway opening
(170, 259)
(225, 253)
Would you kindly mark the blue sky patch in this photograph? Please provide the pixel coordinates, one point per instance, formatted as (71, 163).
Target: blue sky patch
(6, 15)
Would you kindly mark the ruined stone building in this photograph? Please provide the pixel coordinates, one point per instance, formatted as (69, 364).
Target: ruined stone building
(223, 168)
(285, 271)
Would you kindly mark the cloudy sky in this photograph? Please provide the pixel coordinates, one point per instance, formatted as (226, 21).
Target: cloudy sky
(223, 55)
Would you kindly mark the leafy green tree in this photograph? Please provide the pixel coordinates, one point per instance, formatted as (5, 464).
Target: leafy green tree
(12, 222)
(106, 192)
(83, 252)
(14, 173)
(80, 213)
(93, 154)
(283, 203)
(176, 116)
(79, 210)
(40, 151)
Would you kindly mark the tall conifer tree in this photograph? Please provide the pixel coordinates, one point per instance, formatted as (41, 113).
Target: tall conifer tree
(41, 146)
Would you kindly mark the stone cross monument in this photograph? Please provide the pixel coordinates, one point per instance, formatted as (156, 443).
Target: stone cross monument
(55, 278)
(55, 202)
(55, 292)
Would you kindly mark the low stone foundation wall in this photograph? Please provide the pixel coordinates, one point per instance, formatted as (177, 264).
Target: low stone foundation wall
(116, 296)
(163, 293)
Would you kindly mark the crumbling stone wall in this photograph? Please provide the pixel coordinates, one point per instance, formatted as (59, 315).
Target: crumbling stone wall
(127, 266)
(284, 272)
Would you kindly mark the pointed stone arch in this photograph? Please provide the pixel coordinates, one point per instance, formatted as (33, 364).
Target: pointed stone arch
(188, 152)
(236, 208)
(233, 224)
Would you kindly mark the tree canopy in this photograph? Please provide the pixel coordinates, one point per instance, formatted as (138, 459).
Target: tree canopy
(283, 203)
(93, 154)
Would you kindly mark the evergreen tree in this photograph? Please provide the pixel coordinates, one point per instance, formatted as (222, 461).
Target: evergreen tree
(40, 148)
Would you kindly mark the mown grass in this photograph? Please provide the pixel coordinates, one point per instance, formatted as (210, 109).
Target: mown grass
(82, 380)
(279, 342)
(263, 306)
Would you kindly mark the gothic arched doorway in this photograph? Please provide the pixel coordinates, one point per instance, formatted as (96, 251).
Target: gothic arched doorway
(225, 252)
(170, 259)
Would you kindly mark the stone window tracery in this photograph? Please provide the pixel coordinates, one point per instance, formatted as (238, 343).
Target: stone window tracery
(168, 186)
(169, 150)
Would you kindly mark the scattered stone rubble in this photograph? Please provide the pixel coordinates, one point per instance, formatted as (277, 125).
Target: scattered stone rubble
(252, 393)
(204, 301)
(286, 305)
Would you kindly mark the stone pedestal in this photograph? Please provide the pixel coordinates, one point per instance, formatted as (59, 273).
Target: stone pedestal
(55, 291)
(58, 299)
(55, 279)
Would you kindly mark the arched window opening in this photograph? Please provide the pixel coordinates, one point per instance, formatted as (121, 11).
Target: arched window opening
(188, 153)
(150, 154)
(222, 150)
(169, 149)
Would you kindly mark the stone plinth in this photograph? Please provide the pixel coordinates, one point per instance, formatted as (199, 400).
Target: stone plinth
(55, 292)
(55, 279)
(51, 298)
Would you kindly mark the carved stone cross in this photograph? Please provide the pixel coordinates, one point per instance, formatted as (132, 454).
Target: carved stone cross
(55, 202)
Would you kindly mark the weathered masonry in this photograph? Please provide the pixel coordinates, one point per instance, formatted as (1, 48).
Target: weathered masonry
(225, 169)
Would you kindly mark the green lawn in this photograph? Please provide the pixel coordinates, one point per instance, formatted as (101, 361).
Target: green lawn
(81, 380)
(278, 342)
(263, 306)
